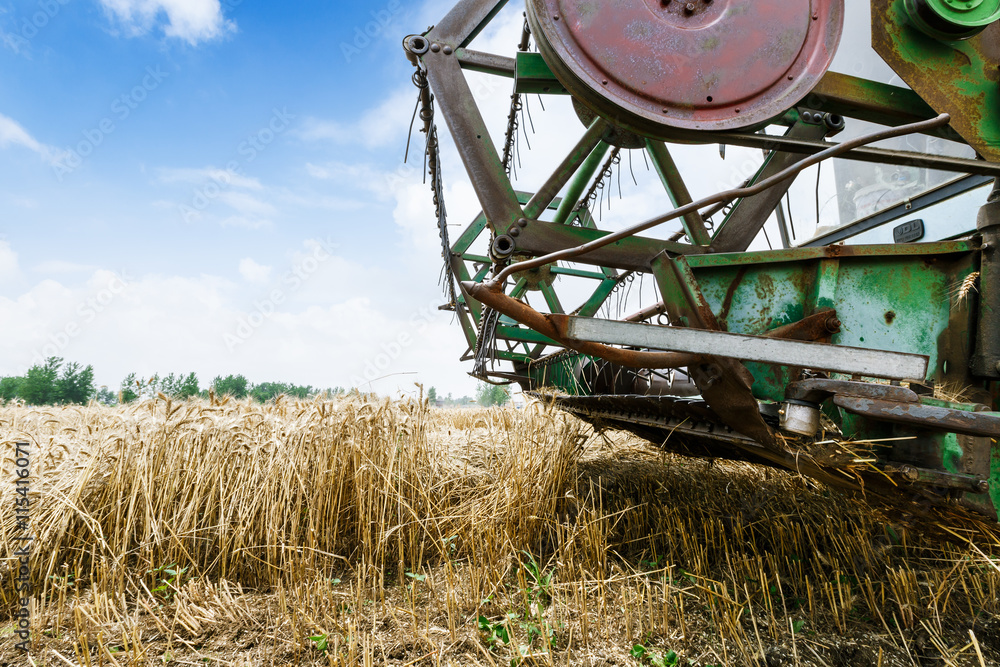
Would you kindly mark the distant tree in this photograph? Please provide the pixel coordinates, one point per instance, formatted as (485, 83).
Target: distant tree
(268, 391)
(168, 385)
(75, 385)
(489, 394)
(175, 386)
(106, 396)
(39, 386)
(130, 389)
(236, 386)
(10, 388)
(189, 387)
(432, 395)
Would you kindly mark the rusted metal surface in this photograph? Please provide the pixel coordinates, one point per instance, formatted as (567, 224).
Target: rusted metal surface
(630, 254)
(873, 101)
(928, 250)
(944, 479)
(699, 65)
(554, 327)
(725, 383)
(923, 416)
(817, 390)
(482, 162)
(465, 20)
(487, 63)
(727, 195)
(956, 77)
(986, 360)
(817, 326)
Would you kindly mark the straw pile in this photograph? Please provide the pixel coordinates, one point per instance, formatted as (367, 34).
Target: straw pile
(363, 531)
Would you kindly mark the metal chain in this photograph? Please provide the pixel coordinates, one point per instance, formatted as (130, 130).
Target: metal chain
(515, 111)
(606, 173)
(432, 155)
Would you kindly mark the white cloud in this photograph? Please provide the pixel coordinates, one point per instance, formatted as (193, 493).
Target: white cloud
(205, 174)
(193, 21)
(246, 204)
(9, 268)
(217, 188)
(376, 128)
(301, 329)
(60, 266)
(12, 134)
(254, 272)
(241, 222)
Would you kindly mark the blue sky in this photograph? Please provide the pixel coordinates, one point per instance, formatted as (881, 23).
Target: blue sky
(173, 170)
(218, 187)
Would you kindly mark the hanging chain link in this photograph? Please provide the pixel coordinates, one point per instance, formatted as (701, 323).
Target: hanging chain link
(432, 158)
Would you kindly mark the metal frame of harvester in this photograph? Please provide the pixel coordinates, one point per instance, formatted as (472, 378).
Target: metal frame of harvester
(824, 357)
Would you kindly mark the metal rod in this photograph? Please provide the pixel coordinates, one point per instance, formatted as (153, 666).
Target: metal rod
(579, 184)
(566, 169)
(772, 142)
(670, 175)
(833, 151)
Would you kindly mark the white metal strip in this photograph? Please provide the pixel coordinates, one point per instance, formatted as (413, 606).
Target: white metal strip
(818, 356)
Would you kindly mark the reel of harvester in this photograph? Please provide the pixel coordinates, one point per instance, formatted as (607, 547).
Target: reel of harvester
(829, 355)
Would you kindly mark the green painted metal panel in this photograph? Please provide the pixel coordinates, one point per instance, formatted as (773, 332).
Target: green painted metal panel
(897, 303)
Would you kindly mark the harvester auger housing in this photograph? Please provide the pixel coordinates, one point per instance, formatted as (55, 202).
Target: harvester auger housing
(865, 353)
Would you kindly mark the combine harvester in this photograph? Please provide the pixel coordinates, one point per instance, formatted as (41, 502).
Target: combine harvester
(865, 354)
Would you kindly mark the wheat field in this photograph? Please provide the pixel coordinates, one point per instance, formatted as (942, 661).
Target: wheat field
(361, 531)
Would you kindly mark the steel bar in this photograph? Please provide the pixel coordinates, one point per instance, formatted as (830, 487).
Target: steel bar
(771, 142)
(486, 63)
(924, 416)
(725, 383)
(944, 479)
(580, 182)
(786, 239)
(630, 254)
(465, 20)
(482, 162)
(818, 356)
(833, 151)
(831, 252)
(873, 102)
(750, 214)
(569, 166)
(670, 175)
(986, 360)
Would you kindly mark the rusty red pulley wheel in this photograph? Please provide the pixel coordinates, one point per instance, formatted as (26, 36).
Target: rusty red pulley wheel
(701, 65)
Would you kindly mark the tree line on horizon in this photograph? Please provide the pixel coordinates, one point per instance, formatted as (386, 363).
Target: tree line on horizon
(56, 382)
